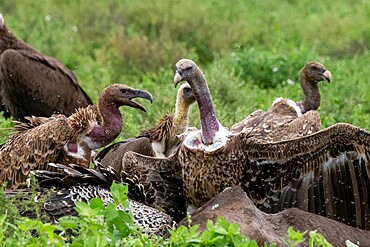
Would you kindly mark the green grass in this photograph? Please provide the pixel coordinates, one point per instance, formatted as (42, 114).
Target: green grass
(237, 44)
(248, 51)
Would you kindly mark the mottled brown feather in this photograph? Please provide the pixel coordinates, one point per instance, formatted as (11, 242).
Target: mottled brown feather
(65, 140)
(327, 172)
(16, 163)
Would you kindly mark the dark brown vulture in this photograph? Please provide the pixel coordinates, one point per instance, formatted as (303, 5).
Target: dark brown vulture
(64, 140)
(159, 141)
(327, 172)
(33, 84)
(75, 183)
(287, 119)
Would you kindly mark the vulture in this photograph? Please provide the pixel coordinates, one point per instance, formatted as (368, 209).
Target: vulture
(33, 84)
(159, 141)
(74, 183)
(65, 140)
(327, 172)
(287, 119)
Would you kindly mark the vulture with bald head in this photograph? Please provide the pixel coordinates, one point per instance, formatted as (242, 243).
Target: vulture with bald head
(160, 141)
(326, 172)
(33, 84)
(65, 140)
(287, 119)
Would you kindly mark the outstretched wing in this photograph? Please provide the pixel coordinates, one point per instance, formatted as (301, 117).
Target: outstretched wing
(327, 173)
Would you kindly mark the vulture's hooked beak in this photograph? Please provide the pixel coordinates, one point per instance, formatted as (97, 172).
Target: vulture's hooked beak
(178, 77)
(327, 75)
(140, 94)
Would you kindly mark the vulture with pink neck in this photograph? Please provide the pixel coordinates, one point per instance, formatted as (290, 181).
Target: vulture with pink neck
(287, 119)
(65, 140)
(326, 172)
(33, 84)
(150, 187)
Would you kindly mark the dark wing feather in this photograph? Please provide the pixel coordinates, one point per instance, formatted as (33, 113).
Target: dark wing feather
(112, 155)
(34, 84)
(74, 183)
(161, 177)
(331, 167)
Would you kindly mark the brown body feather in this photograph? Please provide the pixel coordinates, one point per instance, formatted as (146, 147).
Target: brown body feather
(65, 140)
(33, 83)
(326, 173)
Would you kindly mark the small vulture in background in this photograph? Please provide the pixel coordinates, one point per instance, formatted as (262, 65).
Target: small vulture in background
(287, 119)
(74, 184)
(160, 141)
(33, 84)
(327, 172)
(64, 140)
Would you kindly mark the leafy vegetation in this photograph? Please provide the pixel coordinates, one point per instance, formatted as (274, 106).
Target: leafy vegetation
(250, 51)
(100, 225)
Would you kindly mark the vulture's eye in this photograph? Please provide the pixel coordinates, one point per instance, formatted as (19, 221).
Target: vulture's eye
(123, 91)
(187, 90)
(188, 68)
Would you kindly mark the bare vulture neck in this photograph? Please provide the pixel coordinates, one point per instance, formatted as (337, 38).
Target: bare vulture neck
(312, 95)
(111, 124)
(181, 117)
(9, 41)
(208, 119)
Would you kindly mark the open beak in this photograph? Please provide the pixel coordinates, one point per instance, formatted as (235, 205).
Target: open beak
(140, 94)
(327, 75)
(177, 78)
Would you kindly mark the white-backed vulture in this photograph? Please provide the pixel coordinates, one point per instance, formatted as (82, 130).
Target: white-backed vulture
(33, 84)
(326, 173)
(287, 119)
(61, 139)
(74, 184)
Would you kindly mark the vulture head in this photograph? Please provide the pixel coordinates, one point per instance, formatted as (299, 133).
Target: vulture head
(185, 95)
(212, 135)
(315, 72)
(311, 74)
(120, 94)
(187, 70)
